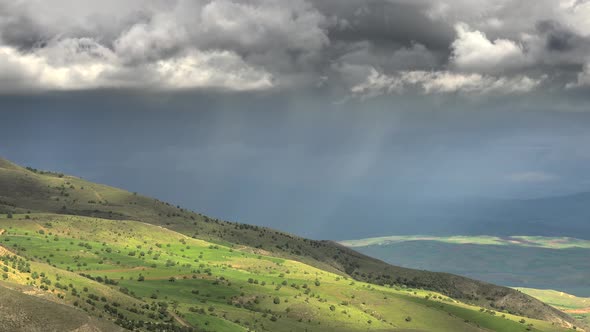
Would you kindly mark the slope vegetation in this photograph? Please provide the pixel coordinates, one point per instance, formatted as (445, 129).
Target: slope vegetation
(29, 192)
(27, 309)
(145, 277)
(579, 307)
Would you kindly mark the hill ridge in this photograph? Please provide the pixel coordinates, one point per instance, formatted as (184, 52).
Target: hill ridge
(28, 190)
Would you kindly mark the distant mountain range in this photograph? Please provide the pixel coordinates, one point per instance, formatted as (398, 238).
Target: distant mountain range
(551, 216)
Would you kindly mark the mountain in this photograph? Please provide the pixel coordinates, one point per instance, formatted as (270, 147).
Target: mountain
(360, 217)
(108, 239)
(551, 216)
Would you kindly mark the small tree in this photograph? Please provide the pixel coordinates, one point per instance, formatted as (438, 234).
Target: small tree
(276, 300)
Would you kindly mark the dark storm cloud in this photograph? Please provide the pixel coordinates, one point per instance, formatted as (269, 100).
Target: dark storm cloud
(18, 29)
(558, 37)
(386, 24)
(365, 47)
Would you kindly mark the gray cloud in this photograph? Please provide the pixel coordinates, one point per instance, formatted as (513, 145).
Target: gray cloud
(477, 46)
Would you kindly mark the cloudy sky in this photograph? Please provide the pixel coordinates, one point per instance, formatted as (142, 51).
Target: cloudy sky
(274, 112)
(361, 48)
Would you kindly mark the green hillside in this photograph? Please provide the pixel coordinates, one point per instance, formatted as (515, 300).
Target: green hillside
(149, 265)
(578, 307)
(129, 272)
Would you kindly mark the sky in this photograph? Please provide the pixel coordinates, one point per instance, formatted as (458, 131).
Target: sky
(301, 115)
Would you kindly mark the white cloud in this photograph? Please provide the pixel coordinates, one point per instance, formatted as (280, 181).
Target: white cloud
(218, 69)
(262, 44)
(150, 41)
(441, 82)
(46, 69)
(576, 14)
(221, 44)
(473, 51)
(74, 64)
(531, 177)
(377, 84)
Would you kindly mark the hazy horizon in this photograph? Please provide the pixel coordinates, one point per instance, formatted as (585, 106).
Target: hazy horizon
(303, 115)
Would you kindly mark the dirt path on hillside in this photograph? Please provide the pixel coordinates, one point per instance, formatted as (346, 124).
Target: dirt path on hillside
(4, 251)
(181, 277)
(178, 319)
(97, 195)
(256, 251)
(578, 311)
(137, 268)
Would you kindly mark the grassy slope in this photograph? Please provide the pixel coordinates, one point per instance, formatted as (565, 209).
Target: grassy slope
(23, 311)
(217, 287)
(578, 307)
(23, 191)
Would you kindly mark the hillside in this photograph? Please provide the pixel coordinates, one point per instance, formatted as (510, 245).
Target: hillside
(578, 307)
(21, 311)
(145, 277)
(34, 193)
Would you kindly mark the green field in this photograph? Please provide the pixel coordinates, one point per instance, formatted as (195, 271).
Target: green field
(149, 273)
(143, 264)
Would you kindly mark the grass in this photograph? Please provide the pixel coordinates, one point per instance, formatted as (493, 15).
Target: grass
(579, 307)
(164, 277)
(22, 312)
(124, 220)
